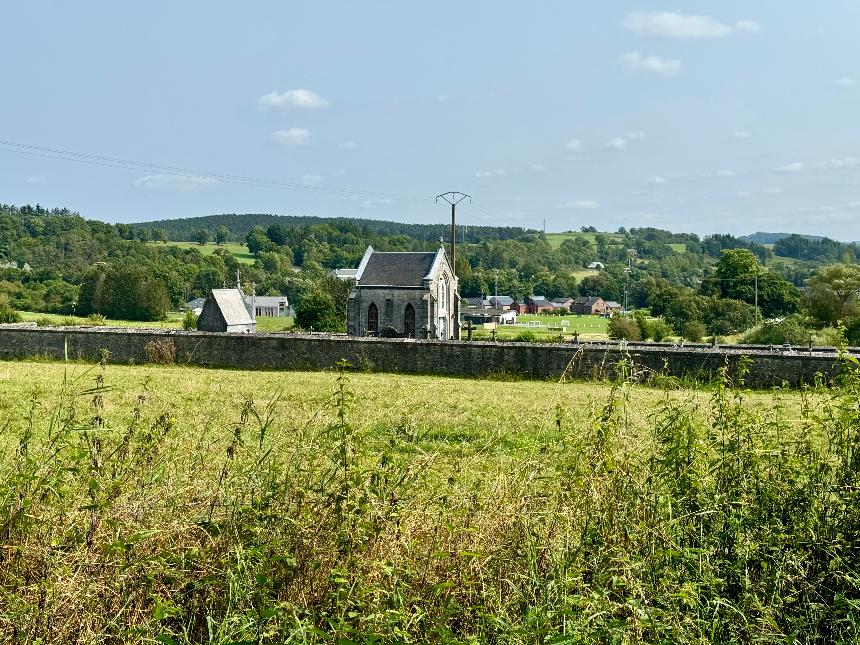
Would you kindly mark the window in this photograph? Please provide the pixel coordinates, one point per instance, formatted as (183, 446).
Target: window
(409, 321)
(443, 295)
(372, 318)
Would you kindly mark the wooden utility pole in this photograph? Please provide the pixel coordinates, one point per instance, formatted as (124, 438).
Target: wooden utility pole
(453, 197)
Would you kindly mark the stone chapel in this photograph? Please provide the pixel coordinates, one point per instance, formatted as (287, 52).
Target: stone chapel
(415, 294)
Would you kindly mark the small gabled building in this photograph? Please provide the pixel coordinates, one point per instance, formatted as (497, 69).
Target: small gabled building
(268, 306)
(225, 310)
(501, 302)
(613, 307)
(589, 306)
(407, 294)
(538, 305)
(563, 303)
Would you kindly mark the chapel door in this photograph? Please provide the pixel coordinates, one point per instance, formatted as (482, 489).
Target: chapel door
(409, 321)
(372, 318)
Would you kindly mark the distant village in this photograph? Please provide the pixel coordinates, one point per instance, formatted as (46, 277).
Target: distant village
(398, 295)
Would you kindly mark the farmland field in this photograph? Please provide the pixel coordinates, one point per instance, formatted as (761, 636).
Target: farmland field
(239, 251)
(173, 321)
(555, 239)
(173, 504)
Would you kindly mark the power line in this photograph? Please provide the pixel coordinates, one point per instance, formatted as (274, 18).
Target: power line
(128, 164)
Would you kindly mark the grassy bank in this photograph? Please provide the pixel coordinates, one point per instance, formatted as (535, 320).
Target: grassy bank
(173, 321)
(170, 504)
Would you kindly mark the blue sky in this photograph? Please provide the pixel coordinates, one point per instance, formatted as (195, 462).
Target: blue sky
(695, 116)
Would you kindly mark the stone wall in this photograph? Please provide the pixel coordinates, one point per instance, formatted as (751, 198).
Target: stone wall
(459, 358)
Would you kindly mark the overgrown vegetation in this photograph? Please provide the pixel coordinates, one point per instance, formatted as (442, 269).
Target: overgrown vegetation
(181, 510)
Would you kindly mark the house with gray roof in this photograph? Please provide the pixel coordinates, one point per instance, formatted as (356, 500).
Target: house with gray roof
(225, 310)
(407, 294)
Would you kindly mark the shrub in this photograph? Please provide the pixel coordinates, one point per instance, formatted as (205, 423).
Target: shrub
(852, 332)
(660, 330)
(160, 352)
(526, 336)
(96, 320)
(693, 331)
(7, 312)
(623, 328)
(644, 325)
(790, 330)
(189, 321)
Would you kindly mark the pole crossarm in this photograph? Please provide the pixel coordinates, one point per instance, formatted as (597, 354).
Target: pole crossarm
(453, 197)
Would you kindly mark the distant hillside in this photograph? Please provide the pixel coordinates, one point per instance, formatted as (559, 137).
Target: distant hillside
(761, 237)
(240, 224)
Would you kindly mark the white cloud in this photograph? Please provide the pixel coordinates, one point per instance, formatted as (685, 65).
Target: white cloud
(35, 179)
(348, 145)
(792, 168)
(311, 180)
(853, 204)
(370, 203)
(657, 180)
(741, 134)
(847, 81)
(763, 191)
(499, 172)
(340, 172)
(619, 143)
(636, 62)
(677, 25)
(582, 204)
(173, 182)
(442, 98)
(539, 167)
(574, 145)
(772, 191)
(292, 98)
(292, 136)
(845, 162)
(725, 173)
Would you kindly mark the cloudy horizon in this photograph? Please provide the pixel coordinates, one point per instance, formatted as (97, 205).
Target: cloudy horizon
(732, 118)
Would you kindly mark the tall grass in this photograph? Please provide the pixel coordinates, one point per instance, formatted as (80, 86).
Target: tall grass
(719, 523)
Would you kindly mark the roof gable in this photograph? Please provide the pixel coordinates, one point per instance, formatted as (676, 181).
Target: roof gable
(231, 305)
(395, 269)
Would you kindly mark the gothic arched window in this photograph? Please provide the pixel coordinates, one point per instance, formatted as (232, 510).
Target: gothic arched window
(409, 321)
(372, 318)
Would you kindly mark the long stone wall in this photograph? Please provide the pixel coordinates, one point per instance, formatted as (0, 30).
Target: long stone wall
(768, 367)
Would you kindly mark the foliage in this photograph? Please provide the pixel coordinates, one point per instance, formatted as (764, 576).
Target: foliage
(189, 321)
(7, 313)
(660, 330)
(160, 352)
(791, 330)
(202, 237)
(123, 291)
(312, 513)
(832, 294)
(317, 311)
(624, 328)
(222, 235)
(693, 331)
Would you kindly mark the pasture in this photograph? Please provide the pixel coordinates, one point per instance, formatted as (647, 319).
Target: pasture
(173, 321)
(239, 251)
(178, 505)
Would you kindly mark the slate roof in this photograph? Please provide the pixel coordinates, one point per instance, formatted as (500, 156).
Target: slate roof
(502, 300)
(539, 300)
(267, 301)
(396, 269)
(612, 304)
(232, 306)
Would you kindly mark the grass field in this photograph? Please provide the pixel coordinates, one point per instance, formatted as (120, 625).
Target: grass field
(176, 505)
(239, 251)
(173, 321)
(555, 239)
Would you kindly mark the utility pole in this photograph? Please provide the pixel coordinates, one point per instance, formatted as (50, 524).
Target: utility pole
(453, 197)
(756, 298)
